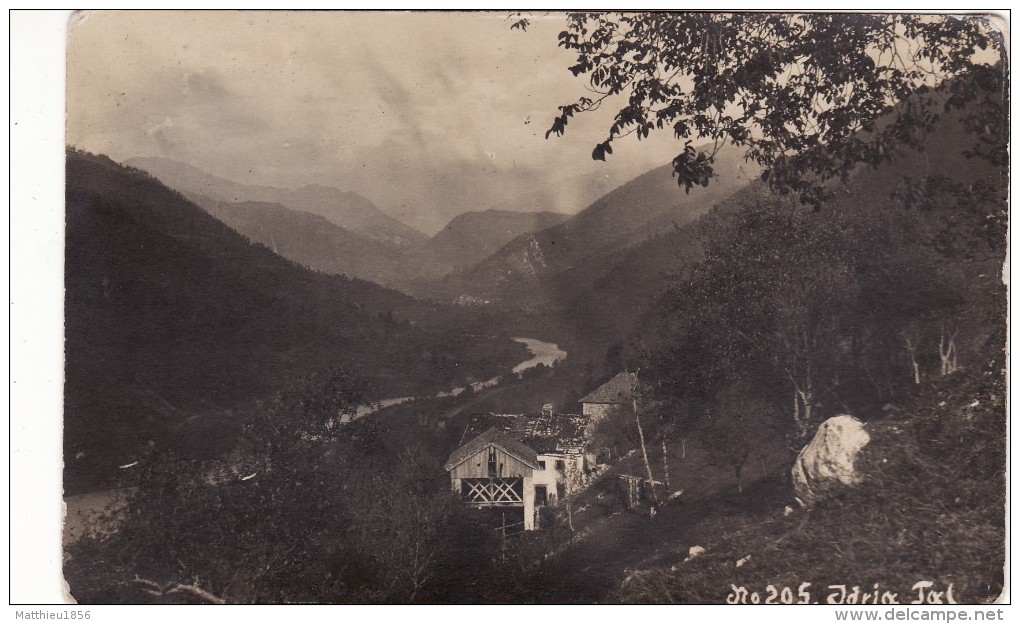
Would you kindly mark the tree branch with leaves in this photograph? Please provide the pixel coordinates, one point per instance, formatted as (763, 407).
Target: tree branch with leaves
(809, 96)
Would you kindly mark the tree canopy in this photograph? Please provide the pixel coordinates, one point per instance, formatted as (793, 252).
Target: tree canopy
(809, 95)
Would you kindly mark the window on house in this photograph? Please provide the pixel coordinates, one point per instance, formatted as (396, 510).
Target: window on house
(492, 461)
(560, 465)
(541, 464)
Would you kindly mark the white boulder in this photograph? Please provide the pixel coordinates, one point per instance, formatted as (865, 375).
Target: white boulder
(827, 463)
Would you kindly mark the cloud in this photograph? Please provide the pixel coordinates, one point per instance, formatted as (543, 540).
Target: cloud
(158, 134)
(424, 113)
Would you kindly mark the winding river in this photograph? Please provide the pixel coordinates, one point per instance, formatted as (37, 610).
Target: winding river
(86, 513)
(542, 352)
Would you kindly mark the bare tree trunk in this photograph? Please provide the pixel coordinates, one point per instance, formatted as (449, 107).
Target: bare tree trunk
(796, 406)
(644, 453)
(573, 476)
(806, 399)
(912, 342)
(803, 398)
(665, 466)
(641, 436)
(947, 352)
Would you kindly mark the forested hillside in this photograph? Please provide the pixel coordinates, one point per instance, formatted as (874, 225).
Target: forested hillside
(841, 304)
(313, 241)
(545, 268)
(173, 319)
(920, 234)
(471, 237)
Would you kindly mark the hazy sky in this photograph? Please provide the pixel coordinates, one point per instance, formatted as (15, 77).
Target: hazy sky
(426, 114)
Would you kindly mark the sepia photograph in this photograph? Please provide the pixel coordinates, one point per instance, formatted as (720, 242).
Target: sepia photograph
(503, 307)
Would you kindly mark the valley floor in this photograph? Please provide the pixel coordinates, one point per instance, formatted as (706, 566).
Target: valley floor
(931, 508)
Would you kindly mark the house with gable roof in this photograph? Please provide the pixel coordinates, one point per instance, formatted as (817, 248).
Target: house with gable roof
(495, 470)
(612, 397)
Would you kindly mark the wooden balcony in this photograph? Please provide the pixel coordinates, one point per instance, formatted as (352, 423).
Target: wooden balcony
(493, 492)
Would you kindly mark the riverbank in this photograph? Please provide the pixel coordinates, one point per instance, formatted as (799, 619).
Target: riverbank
(542, 353)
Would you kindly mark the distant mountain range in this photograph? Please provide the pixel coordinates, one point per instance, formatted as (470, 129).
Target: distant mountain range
(472, 236)
(313, 241)
(533, 260)
(343, 208)
(337, 232)
(552, 265)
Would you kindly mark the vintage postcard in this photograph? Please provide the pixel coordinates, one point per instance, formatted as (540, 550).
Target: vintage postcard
(515, 308)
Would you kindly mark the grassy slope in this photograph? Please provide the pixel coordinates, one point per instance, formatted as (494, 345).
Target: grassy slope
(931, 507)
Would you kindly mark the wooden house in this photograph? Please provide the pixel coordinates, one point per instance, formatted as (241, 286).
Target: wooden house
(495, 470)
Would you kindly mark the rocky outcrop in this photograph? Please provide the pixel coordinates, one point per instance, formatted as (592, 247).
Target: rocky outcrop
(826, 465)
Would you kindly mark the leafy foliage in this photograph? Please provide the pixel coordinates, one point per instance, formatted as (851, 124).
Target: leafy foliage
(812, 309)
(612, 435)
(326, 515)
(801, 92)
(739, 425)
(825, 310)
